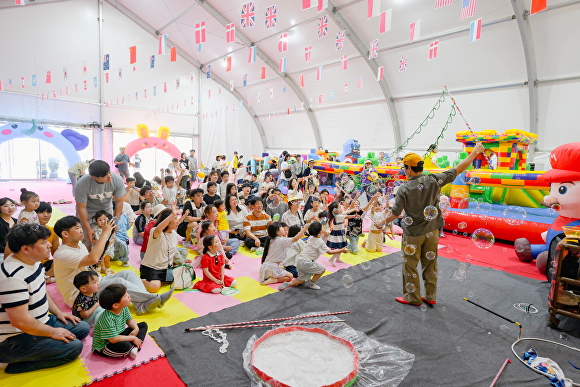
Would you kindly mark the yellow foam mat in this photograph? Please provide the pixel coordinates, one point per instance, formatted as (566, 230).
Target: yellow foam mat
(250, 289)
(71, 374)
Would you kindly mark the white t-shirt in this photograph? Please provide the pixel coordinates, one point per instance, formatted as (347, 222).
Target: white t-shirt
(66, 267)
(128, 211)
(160, 250)
(170, 194)
(236, 221)
(284, 165)
(277, 249)
(310, 214)
(293, 252)
(313, 249)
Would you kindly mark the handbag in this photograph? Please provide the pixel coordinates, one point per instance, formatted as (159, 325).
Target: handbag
(287, 174)
(183, 277)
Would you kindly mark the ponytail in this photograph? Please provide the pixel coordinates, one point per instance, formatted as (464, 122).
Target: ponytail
(266, 249)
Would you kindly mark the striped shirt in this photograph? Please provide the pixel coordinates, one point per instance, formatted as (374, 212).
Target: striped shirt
(108, 326)
(21, 284)
(257, 224)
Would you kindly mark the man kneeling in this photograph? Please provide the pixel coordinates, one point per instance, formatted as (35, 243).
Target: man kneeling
(30, 337)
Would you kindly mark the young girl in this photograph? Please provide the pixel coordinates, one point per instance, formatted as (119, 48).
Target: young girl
(337, 238)
(213, 264)
(275, 253)
(206, 228)
(223, 225)
(30, 201)
(101, 218)
(7, 209)
(374, 242)
(308, 269)
(312, 213)
(230, 246)
(141, 222)
(294, 188)
(240, 173)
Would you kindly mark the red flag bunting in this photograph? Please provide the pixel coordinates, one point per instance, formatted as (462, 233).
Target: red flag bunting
(133, 54)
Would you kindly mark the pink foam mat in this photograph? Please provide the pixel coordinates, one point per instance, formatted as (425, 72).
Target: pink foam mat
(204, 303)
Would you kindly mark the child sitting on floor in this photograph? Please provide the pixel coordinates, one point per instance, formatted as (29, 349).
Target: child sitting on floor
(213, 265)
(141, 222)
(86, 305)
(110, 337)
(308, 269)
(292, 253)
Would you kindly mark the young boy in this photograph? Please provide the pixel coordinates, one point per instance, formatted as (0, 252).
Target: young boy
(44, 212)
(170, 188)
(110, 337)
(148, 226)
(312, 213)
(292, 253)
(86, 305)
(141, 222)
(225, 176)
(132, 194)
(211, 196)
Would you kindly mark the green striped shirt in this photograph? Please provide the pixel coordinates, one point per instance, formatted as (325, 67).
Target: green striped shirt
(108, 326)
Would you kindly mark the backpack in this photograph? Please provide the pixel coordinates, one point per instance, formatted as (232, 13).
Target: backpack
(183, 277)
(287, 174)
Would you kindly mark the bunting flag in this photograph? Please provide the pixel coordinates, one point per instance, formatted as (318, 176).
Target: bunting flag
(152, 61)
(374, 49)
(259, 97)
(95, 82)
(230, 33)
(380, 73)
(22, 82)
(322, 5)
(165, 87)
(283, 42)
(282, 67)
(106, 63)
(231, 85)
(200, 35)
(263, 72)
(173, 54)
(442, 3)
(76, 88)
(248, 15)
(385, 22)
(414, 30)
(64, 73)
(85, 85)
(228, 64)
(199, 47)
(339, 40)
(120, 72)
(54, 94)
(320, 98)
(107, 78)
(66, 92)
(359, 84)
(145, 93)
(162, 47)
(48, 77)
(331, 96)
(307, 51)
(319, 72)
(538, 6)
(403, 63)
(19, 2)
(322, 26)
(306, 4)
(468, 9)
(433, 47)
(252, 55)
(208, 71)
(245, 80)
(271, 93)
(209, 94)
(284, 88)
(155, 91)
(34, 80)
(475, 30)
(84, 69)
(344, 62)
(301, 80)
(132, 54)
(373, 8)
(10, 84)
(270, 21)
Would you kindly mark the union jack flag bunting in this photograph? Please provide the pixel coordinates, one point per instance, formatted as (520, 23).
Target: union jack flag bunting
(322, 26)
(344, 62)
(374, 49)
(403, 63)
(200, 36)
(468, 9)
(270, 21)
(307, 51)
(106, 63)
(248, 18)
(230, 33)
(442, 3)
(339, 40)
(283, 42)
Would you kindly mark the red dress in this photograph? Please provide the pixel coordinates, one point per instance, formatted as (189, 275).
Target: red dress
(209, 262)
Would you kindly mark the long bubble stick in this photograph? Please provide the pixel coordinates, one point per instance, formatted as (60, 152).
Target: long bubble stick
(505, 363)
(202, 328)
(468, 127)
(264, 325)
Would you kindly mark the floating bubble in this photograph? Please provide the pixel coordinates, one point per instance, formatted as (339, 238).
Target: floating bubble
(462, 225)
(388, 287)
(410, 249)
(468, 257)
(455, 232)
(519, 248)
(444, 205)
(407, 221)
(445, 214)
(552, 271)
(458, 349)
(414, 275)
(429, 234)
(410, 287)
(514, 215)
(443, 309)
(474, 180)
(482, 238)
(366, 265)
(551, 211)
(430, 255)
(430, 212)
(484, 207)
(387, 278)
(347, 281)
(423, 307)
(554, 263)
(470, 294)
(420, 187)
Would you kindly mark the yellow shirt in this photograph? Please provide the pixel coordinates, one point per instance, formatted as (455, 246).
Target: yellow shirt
(223, 221)
(51, 238)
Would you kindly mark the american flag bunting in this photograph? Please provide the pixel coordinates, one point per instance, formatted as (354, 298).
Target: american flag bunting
(442, 3)
(468, 9)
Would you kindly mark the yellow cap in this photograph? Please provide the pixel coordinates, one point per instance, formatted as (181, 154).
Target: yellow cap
(412, 159)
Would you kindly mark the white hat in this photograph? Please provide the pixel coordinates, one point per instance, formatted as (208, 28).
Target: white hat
(158, 209)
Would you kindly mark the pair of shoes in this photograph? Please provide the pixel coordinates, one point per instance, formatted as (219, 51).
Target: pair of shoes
(133, 353)
(441, 234)
(125, 264)
(429, 302)
(312, 285)
(284, 285)
(165, 297)
(403, 301)
(228, 267)
(148, 306)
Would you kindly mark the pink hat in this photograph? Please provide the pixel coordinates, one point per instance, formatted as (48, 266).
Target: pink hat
(565, 161)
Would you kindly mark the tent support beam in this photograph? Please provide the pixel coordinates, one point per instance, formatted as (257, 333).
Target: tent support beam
(273, 65)
(339, 19)
(141, 23)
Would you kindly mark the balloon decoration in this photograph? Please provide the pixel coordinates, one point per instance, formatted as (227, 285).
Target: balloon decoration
(145, 141)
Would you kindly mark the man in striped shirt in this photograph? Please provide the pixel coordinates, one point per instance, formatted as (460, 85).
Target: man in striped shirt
(256, 224)
(30, 337)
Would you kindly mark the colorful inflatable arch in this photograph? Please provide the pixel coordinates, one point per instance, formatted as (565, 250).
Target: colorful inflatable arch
(145, 141)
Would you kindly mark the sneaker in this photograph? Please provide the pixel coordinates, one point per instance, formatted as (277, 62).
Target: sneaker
(133, 353)
(165, 297)
(148, 306)
(441, 234)
(228, 267)
(429, 302)
(125, 264)
(284, 285)
(312, 285)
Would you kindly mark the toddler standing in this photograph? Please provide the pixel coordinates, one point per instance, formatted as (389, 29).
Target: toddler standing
(337, 238)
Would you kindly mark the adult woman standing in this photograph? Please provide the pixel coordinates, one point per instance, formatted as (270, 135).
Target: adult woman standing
(236, 216)
(293, 216)
(184, 164)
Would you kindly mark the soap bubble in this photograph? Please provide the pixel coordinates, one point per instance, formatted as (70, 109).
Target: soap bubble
(409, 249)
(429, 234)
(552, 272)
(276, 217)
(470, 294)
(430, 212)
(519, 248)
(462, 225)
(514, 215)
(468, 257)
(474, 180)
(347, 281)
(407, 221)
(420, 187)
(366, 265)
(430, 255)
(410, 288)
(444, 205)
(484, 207)
(482, 238)
(550, 211)
(386, 278)
(455, 232)
(445, 214)
(554, 263)
(423, 307)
